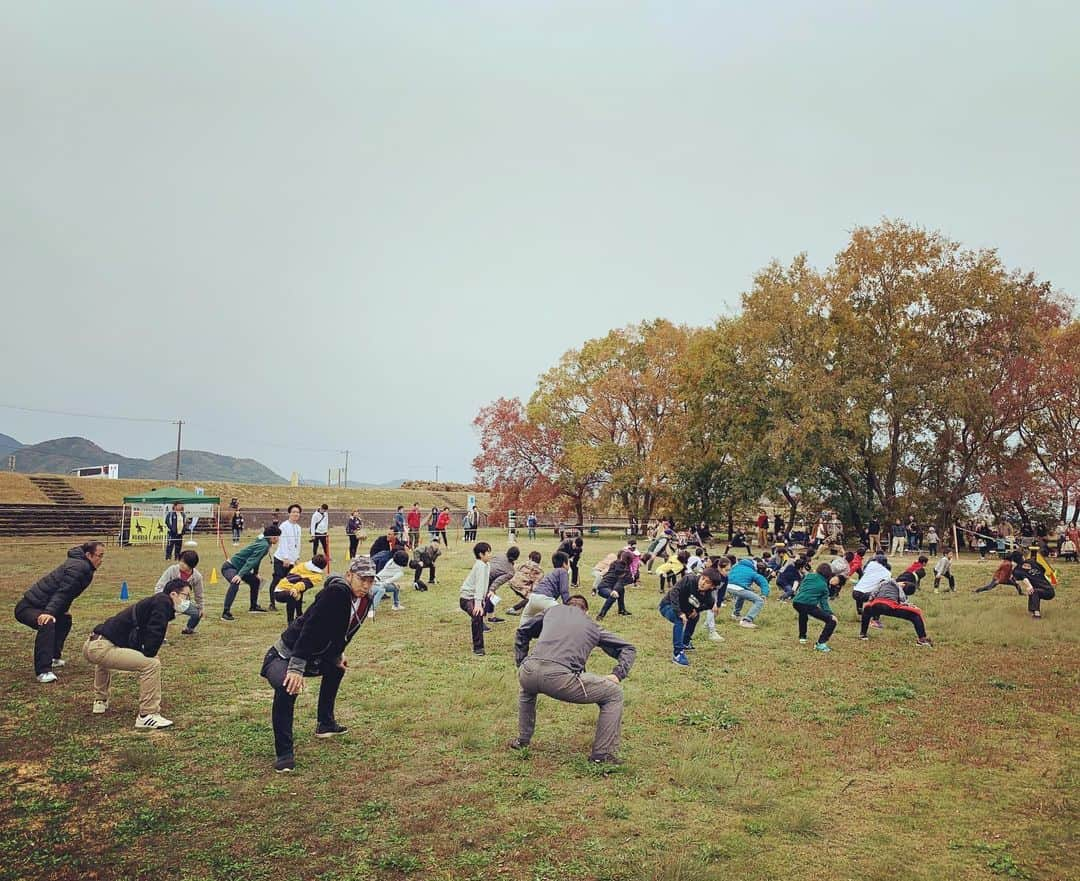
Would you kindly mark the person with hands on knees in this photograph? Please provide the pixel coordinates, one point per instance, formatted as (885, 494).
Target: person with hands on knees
(130, 641)
(44, 606)
(313, 645)
(244, 566)
(811, 600)
(682, 606)
(185, 570)
(566, 636)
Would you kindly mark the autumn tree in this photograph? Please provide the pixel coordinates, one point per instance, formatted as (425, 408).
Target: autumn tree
(528, 466)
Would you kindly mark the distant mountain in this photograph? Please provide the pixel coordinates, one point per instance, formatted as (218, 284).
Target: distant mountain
(8, 445)
(61, 455)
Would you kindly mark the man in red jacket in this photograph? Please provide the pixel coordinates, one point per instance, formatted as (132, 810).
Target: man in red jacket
(441, 524)
(412, 520)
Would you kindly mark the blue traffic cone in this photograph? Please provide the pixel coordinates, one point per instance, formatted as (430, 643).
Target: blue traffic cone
(123, 590)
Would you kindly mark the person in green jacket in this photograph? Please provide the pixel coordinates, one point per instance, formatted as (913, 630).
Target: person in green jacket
(811, 600)
(244, 566)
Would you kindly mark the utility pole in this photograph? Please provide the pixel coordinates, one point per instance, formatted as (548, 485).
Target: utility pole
(179, 430)
(346, 469)
(436, 473)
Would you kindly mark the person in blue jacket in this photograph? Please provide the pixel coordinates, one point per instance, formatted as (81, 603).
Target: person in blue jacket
(744, 573)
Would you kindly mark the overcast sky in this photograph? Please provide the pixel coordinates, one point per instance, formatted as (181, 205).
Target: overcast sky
(310, 225)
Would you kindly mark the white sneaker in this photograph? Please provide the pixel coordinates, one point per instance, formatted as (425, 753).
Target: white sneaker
(371, 614)
(57, 663)
(154, 720)
(746, 622)
(100, 707)
(399, 608)
(716, 637)
(735, 616)
(46, 677)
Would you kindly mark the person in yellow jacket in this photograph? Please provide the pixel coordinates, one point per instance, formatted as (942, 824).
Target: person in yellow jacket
(670, 571)
(301, 578)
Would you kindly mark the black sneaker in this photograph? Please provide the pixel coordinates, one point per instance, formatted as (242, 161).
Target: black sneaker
(608, 759)
(187, 631)
(256, 609)
(228, 616)
(284, 764)
(624, 612)
(272, 607)
(330, 730)
(494, 620)
(517, 743)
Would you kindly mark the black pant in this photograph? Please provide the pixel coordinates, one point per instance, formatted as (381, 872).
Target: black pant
(949, 577)
(932, 546)
(317, 540)
(1040, 594)
(445, 540)
(876, 610)
(273, 670)
(251, 580)
(612, 596)
(173, 545)
(49, 642)
(573, 571)
(475, 621)
(280, 571)
(294, 606)
(354, 543)
(418, 569)
(806, 612)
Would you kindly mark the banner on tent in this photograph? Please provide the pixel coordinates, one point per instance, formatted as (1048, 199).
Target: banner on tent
(147, 524)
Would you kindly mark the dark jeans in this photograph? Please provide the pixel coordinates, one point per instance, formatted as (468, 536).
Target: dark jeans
(612, 596)
(354, 543)
(293, 606)
(476, 622)
(251, 580)
(274, 668)
(418, 569)
(1040, 594)
(949, 577)
(235, 535)
(992, 584)
(173, 545)
(806, 612)
(280, 571)
(681, 634)
(320, 540)
(876, 610)
(49, 642)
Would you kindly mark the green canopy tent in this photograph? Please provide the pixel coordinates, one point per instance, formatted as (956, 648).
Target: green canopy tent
(143, 516)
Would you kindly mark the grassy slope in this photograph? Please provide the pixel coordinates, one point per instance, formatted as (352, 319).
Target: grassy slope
(17, 488)
(762, 760)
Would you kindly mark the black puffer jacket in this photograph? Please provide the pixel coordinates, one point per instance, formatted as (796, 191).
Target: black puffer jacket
(55, 593)
(142, 626)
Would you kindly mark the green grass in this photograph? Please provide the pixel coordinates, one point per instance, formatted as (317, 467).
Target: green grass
(762, 760)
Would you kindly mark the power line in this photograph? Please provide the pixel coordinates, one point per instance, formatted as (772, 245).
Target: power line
(86, 415)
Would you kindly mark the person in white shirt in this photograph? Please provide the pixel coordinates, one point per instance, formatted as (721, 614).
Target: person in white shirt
(287, 551)
(876, 572)
(320, 528)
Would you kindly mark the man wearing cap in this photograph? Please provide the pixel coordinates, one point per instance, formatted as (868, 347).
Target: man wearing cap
(313, 645)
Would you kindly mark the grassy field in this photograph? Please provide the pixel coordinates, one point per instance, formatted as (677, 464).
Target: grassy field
(763, 760)
(16, 488)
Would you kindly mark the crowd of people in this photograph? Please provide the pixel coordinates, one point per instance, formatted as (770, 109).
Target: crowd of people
(810, 570)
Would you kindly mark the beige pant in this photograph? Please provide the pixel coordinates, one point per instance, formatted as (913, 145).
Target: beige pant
(899, 542)
(535, 606)
(107, 657)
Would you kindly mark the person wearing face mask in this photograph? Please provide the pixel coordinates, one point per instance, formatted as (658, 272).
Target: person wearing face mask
(313, 645)
(129, 641)
(185, 570)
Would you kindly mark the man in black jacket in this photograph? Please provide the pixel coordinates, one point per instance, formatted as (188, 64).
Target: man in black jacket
(175, 527)
(312, 645)
(45, 605)
(130, 641)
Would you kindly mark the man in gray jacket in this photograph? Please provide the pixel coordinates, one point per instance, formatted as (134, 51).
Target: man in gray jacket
(566, 636)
